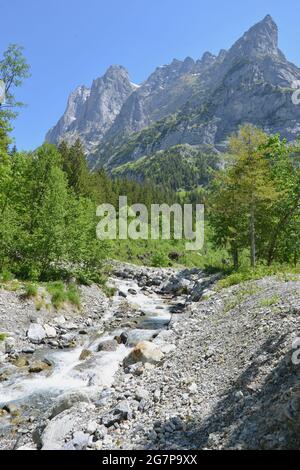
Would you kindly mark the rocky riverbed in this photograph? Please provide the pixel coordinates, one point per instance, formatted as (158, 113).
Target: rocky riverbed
(170, 362)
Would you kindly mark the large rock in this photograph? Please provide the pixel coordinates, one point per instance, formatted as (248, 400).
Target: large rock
(144, 352)
(39, 366)
(66, 401)
(121, 412)
(53, 437)
(108, 346)
(36, 333)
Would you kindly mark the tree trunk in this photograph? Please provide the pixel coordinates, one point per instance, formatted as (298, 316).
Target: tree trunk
(235, 257)
(252, 238)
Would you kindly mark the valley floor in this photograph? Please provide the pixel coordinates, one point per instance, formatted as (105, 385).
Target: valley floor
(217, 375)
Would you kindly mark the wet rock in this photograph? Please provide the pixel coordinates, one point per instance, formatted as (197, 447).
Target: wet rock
(21, 361)
(2, 358)
(11, 408)
(144, 352)
(68, 340)
(133, 337)
(39, 366)
(108, 346)
(132, 291)
(36, 333)
(122, 294)
(85, 354)
(177, 286)
(68, 400)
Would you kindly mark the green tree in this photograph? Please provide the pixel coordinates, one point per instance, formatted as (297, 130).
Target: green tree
(244, 193)
(13, 70)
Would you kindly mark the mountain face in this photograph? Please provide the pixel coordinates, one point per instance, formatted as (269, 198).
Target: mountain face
(91, 112)
(187, 102)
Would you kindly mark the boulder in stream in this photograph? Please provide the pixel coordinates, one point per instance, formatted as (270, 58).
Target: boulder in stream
(108, 346)
(134, 337)
(39, 366)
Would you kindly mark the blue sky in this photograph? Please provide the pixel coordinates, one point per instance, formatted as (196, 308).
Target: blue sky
(71, 42)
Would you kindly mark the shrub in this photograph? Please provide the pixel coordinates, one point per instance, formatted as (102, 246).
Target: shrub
(159, 260)
(60, 294)
(6, 276)
(31, 290)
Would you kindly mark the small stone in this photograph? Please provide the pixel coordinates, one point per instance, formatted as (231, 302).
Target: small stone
(70, 326)
(193, 388)
(50, 331)
(239, 395)
(157, 395)
(60, 321)
(142, 394)
(28, 350)
(101, 432)
(92, 427)
(9, 345)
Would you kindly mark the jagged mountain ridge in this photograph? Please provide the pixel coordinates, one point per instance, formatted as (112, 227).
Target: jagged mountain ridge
(200, 102)
(91, 111)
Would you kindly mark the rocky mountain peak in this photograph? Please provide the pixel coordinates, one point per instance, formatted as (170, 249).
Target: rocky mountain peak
(91, 112)
(207, 59)
(253, 73)
(116, 71)
(260, 40)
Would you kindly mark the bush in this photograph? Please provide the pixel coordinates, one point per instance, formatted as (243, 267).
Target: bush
(73, 296)
(6, 276)
(60, 294)
(31, 290)
(159, 260)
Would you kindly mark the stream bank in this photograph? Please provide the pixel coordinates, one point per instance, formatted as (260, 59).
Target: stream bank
(213, 371)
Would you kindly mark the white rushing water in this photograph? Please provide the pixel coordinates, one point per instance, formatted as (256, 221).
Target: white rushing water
(69, 373)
